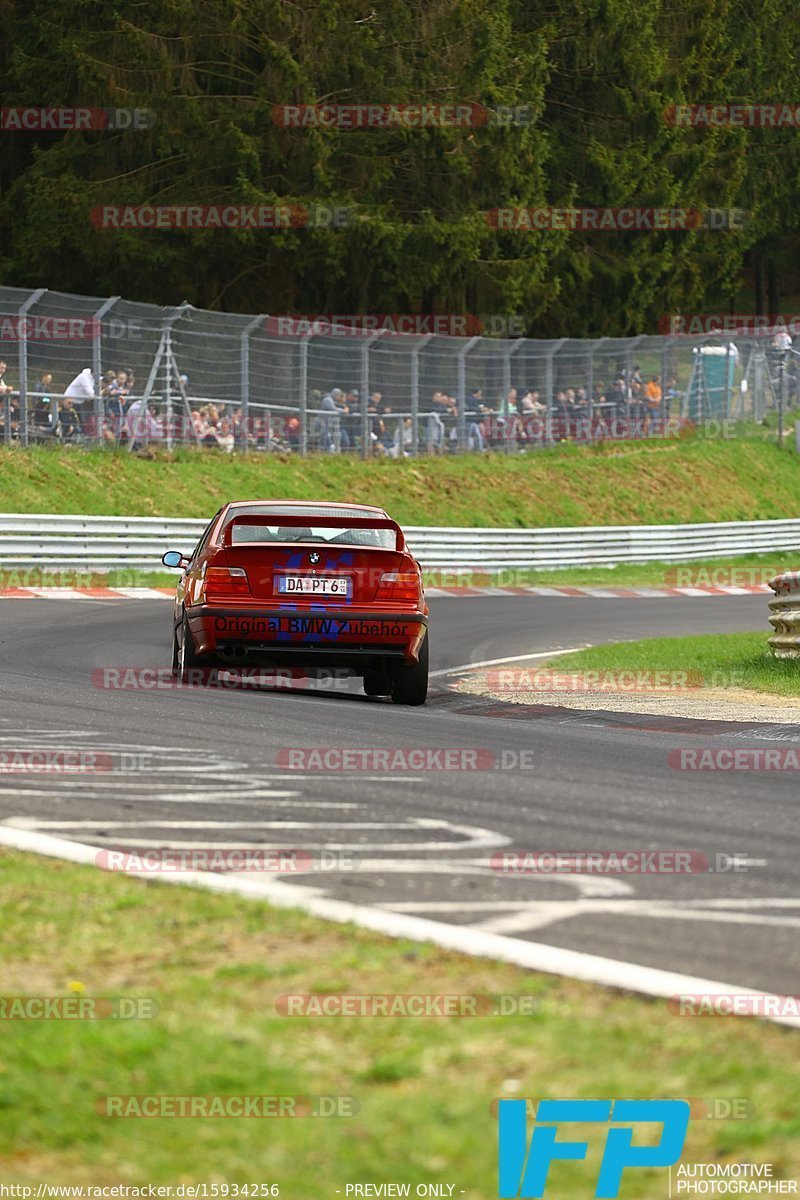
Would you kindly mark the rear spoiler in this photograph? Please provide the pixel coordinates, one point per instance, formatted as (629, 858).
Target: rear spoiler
(301, 522)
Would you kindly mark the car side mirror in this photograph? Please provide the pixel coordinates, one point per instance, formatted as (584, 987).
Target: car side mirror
(174, 558)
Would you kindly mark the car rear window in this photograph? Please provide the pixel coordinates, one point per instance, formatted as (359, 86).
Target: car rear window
(380, 539)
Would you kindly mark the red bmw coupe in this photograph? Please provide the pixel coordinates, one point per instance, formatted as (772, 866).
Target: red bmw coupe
(286, 582)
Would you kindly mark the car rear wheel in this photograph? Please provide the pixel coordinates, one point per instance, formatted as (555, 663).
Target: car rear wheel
(187, 657)
(376, 684)
(410, 684)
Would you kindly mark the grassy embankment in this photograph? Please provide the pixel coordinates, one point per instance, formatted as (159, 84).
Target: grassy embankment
(658, 482)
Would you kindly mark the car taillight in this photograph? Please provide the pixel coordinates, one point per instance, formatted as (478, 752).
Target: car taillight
(225, 582)
(399, 585)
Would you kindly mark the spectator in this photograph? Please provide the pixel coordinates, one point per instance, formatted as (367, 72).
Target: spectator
(635, 404)
(142, 424)
(9, 403)
(600, 408)
(241, 434)
(535, 416)
(114, 429)
(224, 435)
(652, 400)
(403, 439)
(474, 410)
(205, 425)
(334, 436)
(82, 387)
(108, 381)
(377, 427)
(293, 433)
(68, 420)
(616, 395)
(670, 394)
(9, 406)
(351, 422)
(43, 384)
(119, 384)
(434, 437)
(42, 423)
(537, 406)
(653, 389)
(42, 418)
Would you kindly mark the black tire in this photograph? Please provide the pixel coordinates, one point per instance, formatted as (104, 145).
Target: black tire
(175, 653)
(188, 658)
(376, 684)
(410, 685)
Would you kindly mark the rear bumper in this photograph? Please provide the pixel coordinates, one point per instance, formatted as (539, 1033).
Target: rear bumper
(351, 636)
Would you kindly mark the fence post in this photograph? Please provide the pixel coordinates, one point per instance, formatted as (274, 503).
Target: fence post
(665, 341)
(304, 396)
(549, 379)
(97, 363)
(23, 365)
(169, 356)
(245, 376)
(415, 353)
(462, 388)
(366, 447)
(507, 423)
(590, 389)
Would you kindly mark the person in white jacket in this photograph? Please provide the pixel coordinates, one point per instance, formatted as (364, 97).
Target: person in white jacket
(82, 386)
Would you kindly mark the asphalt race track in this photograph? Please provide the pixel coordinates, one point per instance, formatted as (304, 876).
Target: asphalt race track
(422, 844)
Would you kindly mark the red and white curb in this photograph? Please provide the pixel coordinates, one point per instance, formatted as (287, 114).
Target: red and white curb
(610, 593)
(84, 593)
(150, 593)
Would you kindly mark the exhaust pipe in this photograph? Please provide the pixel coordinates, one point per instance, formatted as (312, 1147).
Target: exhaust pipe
(240, 651)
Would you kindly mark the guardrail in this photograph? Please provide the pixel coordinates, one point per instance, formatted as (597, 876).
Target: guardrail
(103, 543)
(784, 615)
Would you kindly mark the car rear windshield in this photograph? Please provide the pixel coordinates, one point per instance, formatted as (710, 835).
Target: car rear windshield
(339, 535)
(382, 539)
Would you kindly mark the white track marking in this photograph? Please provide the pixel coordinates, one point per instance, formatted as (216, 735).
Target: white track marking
(351, 847)
(155, 797)
(495, 662)
(463, 906)
(585, 885)
(537, 917)
(33, 823)
(474, 837)
(593, 968)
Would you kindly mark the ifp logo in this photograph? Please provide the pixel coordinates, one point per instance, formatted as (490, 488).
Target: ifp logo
(524, 1170)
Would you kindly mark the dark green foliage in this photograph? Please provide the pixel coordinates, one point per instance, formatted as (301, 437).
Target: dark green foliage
(597, 75)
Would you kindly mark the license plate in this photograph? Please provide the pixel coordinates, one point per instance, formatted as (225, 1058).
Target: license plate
(312, 585)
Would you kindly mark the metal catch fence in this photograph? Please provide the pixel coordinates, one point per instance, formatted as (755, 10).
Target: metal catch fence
(85, 370)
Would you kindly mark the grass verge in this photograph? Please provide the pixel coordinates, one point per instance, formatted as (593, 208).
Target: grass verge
(744, 477)
(424, 1086)
(725, 660)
